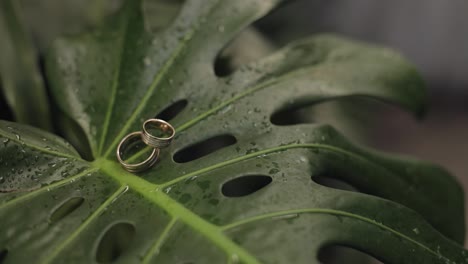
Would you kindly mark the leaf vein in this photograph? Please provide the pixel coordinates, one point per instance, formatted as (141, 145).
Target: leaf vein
(159, 76)
(115, 84)
(154, 249)
(264, 152)
(254, 89)
(331, 212)
(55, 153)
(85, 224)
(46, 188)
(157, 79)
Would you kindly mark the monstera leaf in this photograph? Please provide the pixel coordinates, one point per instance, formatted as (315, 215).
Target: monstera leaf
(236, 185)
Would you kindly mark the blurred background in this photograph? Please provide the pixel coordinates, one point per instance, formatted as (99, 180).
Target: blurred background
(430, 33)
(433, 34)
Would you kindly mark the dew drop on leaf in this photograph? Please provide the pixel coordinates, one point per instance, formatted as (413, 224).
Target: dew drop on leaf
(287, 216)
(234, 259)
(168, 189)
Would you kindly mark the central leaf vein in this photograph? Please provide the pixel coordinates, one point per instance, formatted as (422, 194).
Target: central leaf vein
(158, 78)
(114, 84)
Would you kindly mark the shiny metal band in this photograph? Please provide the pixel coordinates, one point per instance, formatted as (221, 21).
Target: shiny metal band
(157, 142)
(137, 167)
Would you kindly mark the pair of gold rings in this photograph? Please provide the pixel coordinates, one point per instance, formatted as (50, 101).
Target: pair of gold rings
(156, 142)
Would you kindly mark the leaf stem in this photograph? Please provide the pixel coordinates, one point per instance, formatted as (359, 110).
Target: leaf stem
(155, 194)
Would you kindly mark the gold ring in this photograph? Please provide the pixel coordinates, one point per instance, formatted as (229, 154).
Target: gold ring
(154, 141)
(137, 167)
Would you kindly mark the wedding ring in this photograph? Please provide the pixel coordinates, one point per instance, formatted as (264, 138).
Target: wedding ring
(154, 141)
(136, 167)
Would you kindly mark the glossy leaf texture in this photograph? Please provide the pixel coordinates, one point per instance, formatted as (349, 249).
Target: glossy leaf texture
(233, 187)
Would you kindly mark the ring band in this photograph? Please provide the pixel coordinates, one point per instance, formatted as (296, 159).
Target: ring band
(157, 142)
(137, 167)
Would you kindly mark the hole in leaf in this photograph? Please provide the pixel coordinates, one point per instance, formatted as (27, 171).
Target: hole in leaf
(73, 132)
(204, 148)
(293, 115)
(249, 45)
(355, 111)
(114, 242)
(336, 254)
(245, 185)
(172, 110)
(3, 255)
(334, 183)
(222, 66)
(66, 208)
(5, 111)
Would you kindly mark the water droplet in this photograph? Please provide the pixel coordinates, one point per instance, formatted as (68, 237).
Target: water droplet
(126, 188)
(221, 28)
(416, 231)
(226, 109)
(5, 141)
(147, 61)
(193, 178)
(229, 81)
(286, 216)
(273, 171)
(168, 189)
(235, 259)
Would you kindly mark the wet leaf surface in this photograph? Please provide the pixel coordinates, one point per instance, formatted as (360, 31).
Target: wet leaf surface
(253, 199)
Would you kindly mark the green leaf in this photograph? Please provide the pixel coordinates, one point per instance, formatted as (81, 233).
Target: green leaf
(255, 200)
(48, 19)
(21, 80)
